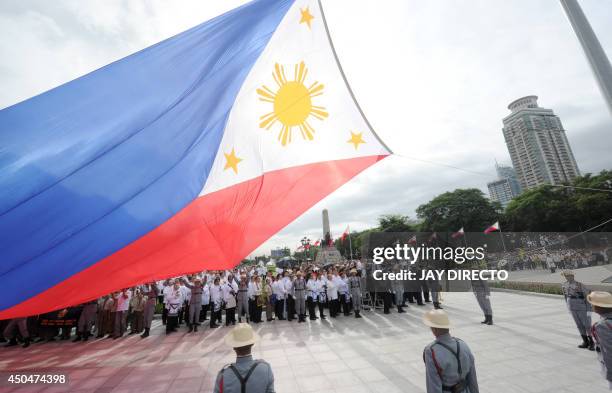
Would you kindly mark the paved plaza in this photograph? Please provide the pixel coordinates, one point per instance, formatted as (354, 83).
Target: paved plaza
(531, 348)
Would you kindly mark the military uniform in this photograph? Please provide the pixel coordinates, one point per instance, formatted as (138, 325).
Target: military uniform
(575, 297)
(354, 284)
(151, 292)
(299, 288)
(449, 366)
(602, 332)
(255, 375)
(483, 293)
(86, 320)
(195, 305)
(242, 300)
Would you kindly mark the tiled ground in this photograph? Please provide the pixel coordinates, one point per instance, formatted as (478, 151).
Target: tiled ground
(532, 348)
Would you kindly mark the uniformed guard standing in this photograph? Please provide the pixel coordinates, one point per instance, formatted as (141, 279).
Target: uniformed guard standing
(602, 331)
(435, 289)
(449, 363)
(86, 320)
(483, 294)
(299, 288)
(195, 303)
(246, 374)
(355, 289)
(151, 291)
(575, 297)
(242, 299)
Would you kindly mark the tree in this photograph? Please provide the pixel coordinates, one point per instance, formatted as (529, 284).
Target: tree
(463, 208)
(563, 209)
(394, 223)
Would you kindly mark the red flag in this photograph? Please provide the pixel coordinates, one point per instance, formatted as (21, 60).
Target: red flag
(492, 228)
(412, 240)
(345, 233)
(459, 233)
(317, 243)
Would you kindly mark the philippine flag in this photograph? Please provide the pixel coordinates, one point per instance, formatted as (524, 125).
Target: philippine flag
(182, 157)
(493, 228)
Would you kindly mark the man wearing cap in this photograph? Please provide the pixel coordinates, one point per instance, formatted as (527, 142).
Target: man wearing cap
(246, 375)
(449, 363)
(575, 297)
(602, 331)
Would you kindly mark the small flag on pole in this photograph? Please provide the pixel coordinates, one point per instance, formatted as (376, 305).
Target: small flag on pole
(493, 228)
(412, 240)
(458, 234)
(345, 233)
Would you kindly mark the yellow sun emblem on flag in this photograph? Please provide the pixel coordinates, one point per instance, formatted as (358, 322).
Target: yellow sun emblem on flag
(292, 103)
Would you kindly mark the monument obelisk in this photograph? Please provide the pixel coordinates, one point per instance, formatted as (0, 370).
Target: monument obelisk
(328, 254)
(326, 231)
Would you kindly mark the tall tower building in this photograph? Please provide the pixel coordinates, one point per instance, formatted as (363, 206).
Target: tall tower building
(537, 144)
(506, 187)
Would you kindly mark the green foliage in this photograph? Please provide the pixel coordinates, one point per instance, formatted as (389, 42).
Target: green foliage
(467, 208)
(394, 223)
(557, 209)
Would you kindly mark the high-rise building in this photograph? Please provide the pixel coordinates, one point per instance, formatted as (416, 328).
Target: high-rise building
(537, 144)
(506, 187)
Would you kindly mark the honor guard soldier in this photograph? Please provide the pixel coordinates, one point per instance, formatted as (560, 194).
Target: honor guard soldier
(575, 297)
(246, 375)
(151, 291)
(195, 303)
(483, 296)
(299, 288)
(449, 363)
(86, 320)
(602, 331)
(242, 299)
(354, 284)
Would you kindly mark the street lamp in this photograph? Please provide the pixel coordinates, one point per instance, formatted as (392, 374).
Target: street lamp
(306, 246)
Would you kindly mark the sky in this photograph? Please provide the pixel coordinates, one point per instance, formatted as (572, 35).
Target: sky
(433, 78)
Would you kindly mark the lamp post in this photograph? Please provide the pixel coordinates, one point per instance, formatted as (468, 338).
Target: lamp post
(306, 246)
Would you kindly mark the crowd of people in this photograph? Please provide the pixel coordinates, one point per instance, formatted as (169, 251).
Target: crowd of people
(248, 293)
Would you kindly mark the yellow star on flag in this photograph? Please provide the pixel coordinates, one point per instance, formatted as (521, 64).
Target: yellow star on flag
(231, 161)
(356, 139)
(306, 16)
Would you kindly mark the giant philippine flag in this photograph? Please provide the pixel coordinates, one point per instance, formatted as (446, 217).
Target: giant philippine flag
(182, 157)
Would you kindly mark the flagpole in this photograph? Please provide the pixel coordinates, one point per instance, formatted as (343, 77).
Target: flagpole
(350, 243)
(502, 238)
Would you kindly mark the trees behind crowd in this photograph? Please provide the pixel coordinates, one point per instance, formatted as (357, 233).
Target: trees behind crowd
(543, 209)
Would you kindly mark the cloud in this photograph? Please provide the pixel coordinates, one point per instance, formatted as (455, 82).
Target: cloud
(434, 79)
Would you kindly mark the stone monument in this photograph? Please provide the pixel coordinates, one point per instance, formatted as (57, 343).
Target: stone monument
(328, 254)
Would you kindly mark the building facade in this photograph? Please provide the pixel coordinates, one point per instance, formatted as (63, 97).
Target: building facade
(506, 187)
(537, 144)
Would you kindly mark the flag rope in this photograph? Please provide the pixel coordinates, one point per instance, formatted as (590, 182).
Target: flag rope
(348, 86)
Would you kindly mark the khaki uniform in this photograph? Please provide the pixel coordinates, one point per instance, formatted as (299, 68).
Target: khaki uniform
(449, 365)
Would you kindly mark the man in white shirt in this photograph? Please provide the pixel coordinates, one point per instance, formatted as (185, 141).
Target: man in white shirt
(123, 305)
(289, 294)
(173, 299)
(278, 291)
(216, 301)
(332, 296)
